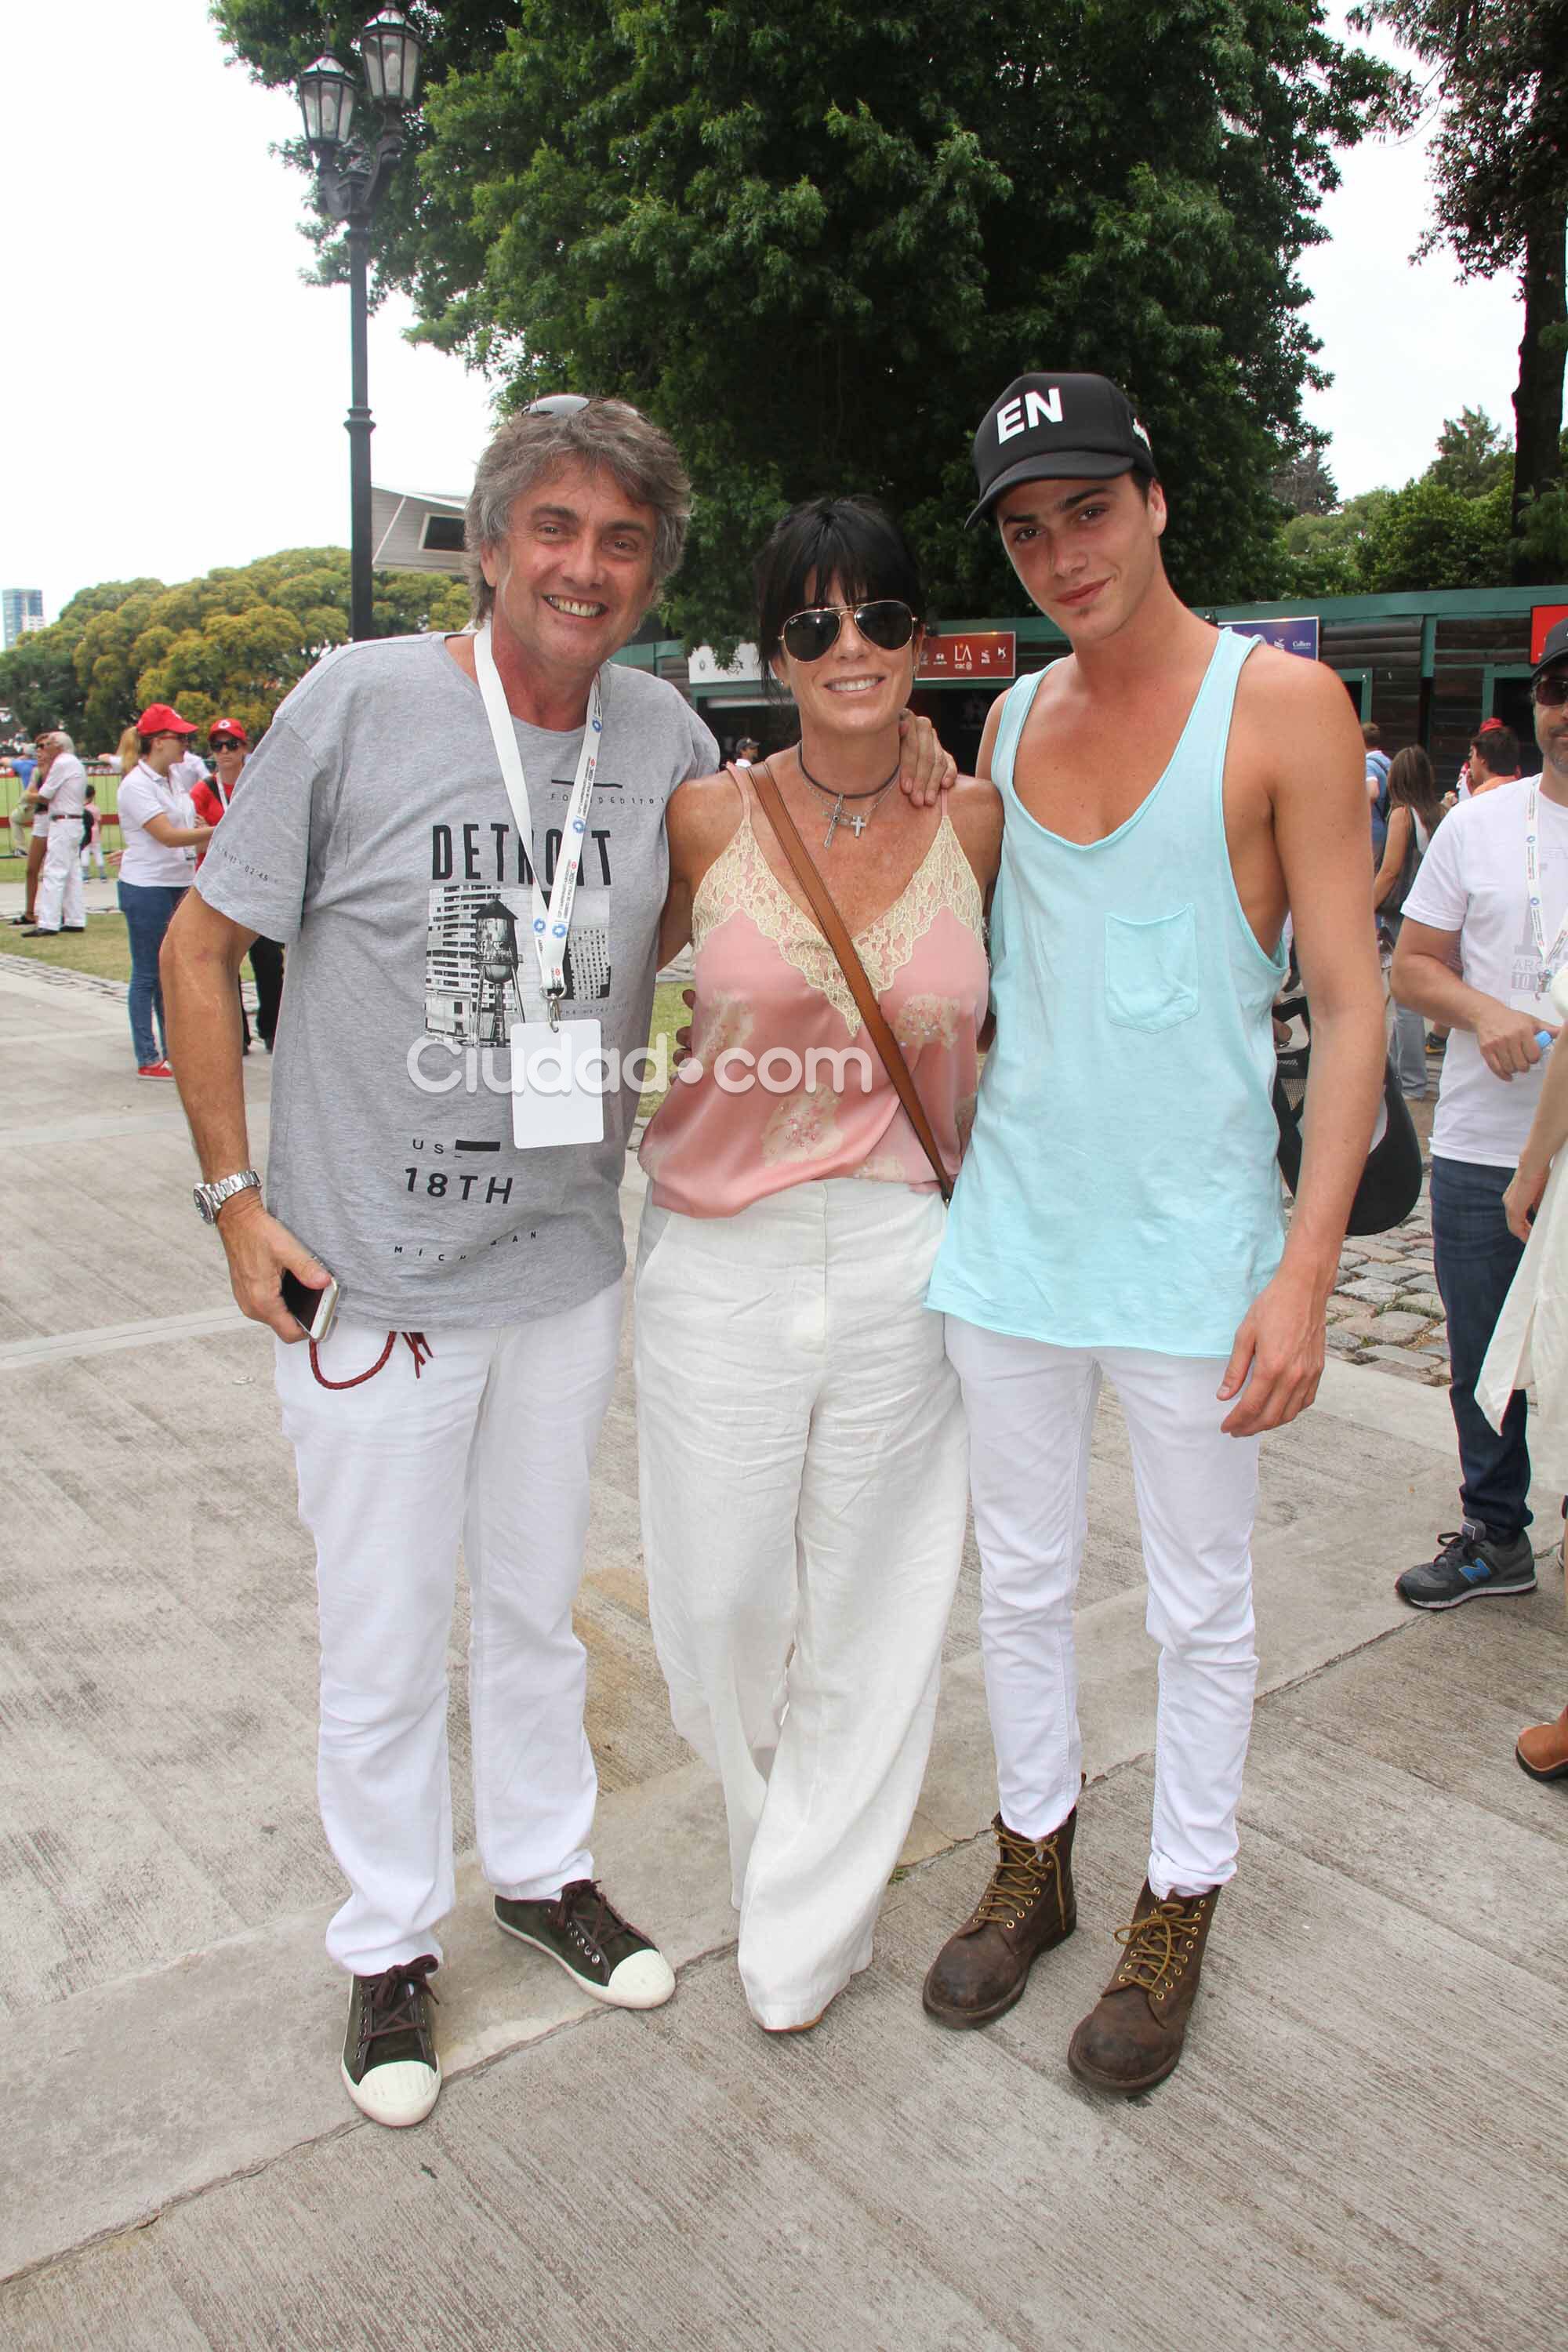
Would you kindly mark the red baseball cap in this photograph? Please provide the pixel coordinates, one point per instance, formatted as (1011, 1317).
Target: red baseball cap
(160, 719)
(229, 727)
(1488, 727)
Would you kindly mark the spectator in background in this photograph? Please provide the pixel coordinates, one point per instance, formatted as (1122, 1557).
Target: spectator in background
(21, 830)
(157, 865)
(230, 748)
(32, 812)
(1377, 764)
(747, 749)
(62, 798)
(1485, 933)
(92, 834)
(1494, 758)
(1413, 811)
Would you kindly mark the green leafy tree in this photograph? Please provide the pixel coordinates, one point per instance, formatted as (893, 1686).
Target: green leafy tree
(1305, 485)
(1473, 454)
(816, 241)
(233, 641)
(40, 679)
(1501, 177)
(1320, 555)
(1430, 536)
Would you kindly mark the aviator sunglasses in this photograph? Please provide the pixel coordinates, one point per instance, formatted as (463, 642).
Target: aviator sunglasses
(884, 622)
(1551, 690)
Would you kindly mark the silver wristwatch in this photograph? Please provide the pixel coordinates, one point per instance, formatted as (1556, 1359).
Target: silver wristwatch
(210, 1198)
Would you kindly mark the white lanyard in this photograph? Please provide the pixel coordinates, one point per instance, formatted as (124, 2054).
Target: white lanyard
(553, 922)
(1548, 956)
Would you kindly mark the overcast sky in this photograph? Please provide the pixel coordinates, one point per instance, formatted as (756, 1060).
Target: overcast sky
(170, 394)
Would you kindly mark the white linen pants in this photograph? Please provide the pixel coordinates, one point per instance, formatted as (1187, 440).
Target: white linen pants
(491, 1442)
(1031, 1414)
(803, 1467)
(60, 897)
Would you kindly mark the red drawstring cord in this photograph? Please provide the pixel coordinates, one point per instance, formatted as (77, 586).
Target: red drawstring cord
(418, 1347)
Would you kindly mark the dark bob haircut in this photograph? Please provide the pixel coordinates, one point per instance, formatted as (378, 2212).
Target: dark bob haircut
(851, 542)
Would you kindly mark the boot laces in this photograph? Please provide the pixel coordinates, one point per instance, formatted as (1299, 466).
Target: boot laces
(1021, 1874)
(1156, 1944)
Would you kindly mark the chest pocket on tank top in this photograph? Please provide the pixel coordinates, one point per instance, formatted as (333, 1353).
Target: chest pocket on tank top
(1152, 970)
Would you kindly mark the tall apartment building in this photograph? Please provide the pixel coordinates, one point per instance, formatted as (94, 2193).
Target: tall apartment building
(21, 609)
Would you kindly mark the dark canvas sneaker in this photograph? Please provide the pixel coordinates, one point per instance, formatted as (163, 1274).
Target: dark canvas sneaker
(390, 2067)
(599, 1949)
(1470, 1564)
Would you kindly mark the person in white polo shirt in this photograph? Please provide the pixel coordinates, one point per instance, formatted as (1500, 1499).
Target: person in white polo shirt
(1485, 930)
(61, 904)
(157, 866)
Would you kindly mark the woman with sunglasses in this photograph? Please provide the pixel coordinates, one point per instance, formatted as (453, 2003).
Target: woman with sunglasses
(802, 1437)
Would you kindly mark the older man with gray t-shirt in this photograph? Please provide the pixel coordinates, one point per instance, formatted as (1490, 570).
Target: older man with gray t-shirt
(462, 840)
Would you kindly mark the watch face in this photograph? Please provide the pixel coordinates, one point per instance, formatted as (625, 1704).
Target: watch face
(199, 1194)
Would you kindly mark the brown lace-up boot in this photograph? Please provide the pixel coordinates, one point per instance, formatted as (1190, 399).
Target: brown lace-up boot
(1027, 1907)
(1132, 2037)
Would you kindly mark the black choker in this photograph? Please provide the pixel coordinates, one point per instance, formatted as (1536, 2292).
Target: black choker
(832, 792)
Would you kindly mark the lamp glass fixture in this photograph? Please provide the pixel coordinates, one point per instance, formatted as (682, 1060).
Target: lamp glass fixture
(327, 97)
(391, 51)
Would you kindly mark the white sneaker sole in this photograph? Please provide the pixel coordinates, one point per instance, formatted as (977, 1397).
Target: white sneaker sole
(647, 1986)
(1478, 1592)
(395, 2104)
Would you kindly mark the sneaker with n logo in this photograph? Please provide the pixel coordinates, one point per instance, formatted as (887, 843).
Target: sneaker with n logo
(1470, 1563)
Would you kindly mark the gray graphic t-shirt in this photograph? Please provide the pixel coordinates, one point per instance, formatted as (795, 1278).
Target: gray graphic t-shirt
(374, 836)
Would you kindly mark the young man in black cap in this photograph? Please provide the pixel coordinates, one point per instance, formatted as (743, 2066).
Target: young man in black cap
(1169, 792)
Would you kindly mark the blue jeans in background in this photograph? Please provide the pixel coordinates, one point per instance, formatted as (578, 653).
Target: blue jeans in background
(147, 908)
(1475, 1257)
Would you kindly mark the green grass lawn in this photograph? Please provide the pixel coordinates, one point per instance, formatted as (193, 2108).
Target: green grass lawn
(103, 950)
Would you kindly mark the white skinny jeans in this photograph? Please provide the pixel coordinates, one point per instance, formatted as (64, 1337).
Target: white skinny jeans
(802, 1468)
(492, 1442)
(1031, 1412)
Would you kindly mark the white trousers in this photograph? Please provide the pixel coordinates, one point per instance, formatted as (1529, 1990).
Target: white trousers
(491, 1442)
(60, 897)
(1031, 1414)
(803, 1465)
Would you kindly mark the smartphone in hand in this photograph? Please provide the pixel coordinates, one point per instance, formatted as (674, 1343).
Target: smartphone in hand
(313, 1310)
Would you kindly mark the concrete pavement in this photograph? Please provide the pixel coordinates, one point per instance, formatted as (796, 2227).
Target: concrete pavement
(1360, 2149)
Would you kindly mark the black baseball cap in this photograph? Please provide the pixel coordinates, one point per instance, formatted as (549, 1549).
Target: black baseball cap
(1555, 650)
(1056, 426)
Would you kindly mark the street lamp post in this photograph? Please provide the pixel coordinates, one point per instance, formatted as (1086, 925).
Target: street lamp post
(350, 173)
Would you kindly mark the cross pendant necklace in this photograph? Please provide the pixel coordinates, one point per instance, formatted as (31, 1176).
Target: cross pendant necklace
(857, 823)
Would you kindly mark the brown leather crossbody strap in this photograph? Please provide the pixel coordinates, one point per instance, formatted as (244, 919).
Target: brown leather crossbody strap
(835, 931)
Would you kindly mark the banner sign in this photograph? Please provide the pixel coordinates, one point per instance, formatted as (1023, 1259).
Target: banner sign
(705, 668)
(1298, 637)
(1542, 618)
(977, 654)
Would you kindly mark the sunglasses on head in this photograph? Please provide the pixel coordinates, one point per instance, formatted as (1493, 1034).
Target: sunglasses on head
(1552, 689)
(884, 622)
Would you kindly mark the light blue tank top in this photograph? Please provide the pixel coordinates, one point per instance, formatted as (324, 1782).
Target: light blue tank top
(1121, 1189)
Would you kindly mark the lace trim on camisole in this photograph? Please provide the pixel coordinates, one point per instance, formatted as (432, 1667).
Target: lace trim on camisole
(741, 882)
